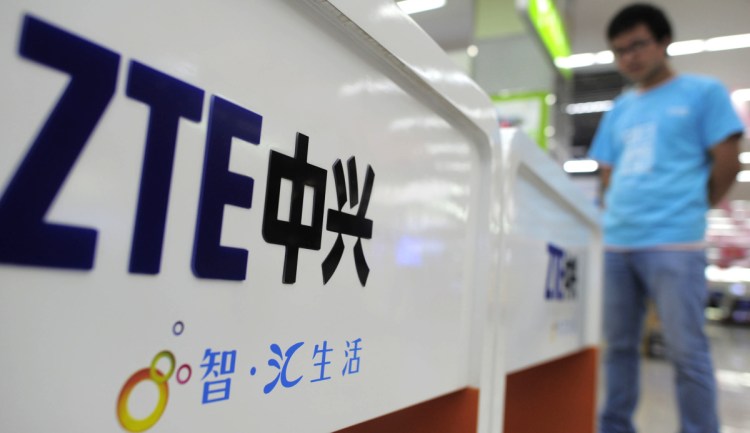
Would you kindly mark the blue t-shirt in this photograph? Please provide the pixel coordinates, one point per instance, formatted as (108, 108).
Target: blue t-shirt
(657, 143)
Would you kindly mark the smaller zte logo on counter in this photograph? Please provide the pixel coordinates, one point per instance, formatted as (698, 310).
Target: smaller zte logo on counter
(561, 274)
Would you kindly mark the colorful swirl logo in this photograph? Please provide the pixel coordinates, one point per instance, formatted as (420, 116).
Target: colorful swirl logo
(153, 374)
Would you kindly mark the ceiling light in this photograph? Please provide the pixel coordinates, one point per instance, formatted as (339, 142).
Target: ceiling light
(745, 157)
(589, 107)
(675, 49)
(472, 50)
(686, 47)
(604, 57)
(580, 166)
(728, 42)
(576, 61)
(743, 176)
(416, 6)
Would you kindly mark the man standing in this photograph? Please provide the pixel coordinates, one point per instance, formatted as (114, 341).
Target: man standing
(667, 150)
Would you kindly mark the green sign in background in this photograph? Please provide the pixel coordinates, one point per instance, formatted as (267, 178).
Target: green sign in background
(546, 20)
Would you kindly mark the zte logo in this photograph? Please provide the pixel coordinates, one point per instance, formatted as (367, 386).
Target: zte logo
(561, 275)
(27, 239)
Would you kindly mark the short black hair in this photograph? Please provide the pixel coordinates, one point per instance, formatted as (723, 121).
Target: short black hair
(640, 13)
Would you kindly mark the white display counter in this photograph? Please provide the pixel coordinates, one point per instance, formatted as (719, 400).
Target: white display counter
(550, 279)
(180, 247)
(277, 215)
(553, 249)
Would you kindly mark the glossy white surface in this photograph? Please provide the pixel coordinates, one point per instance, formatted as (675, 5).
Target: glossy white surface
(359, 81)
(533, 204)
(543, 207)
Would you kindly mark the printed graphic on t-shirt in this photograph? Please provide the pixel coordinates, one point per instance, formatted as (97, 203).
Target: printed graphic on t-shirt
(678, 111)
(638, 149)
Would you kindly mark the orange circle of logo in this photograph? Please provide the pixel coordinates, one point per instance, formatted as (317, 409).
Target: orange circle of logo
(123, 413)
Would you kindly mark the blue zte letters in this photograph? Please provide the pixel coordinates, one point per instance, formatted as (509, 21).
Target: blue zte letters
(169, 100)
(560, 283)
(220, 187)
(24, 236)
(27, 239)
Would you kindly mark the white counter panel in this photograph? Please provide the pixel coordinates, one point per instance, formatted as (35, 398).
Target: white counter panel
(116, 272)
(552, 256)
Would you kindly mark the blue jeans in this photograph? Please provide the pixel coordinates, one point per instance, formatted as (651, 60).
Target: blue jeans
(676, 282)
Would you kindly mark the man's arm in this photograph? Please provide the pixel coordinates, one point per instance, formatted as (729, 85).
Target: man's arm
(726, 165)
(605, 172)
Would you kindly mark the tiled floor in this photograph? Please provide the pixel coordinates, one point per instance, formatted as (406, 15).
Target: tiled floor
(657, 412)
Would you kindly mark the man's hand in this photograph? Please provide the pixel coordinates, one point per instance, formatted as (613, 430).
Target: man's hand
(725, 167)
(605, 173)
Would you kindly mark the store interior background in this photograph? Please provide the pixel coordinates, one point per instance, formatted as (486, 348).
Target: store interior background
(491, 42)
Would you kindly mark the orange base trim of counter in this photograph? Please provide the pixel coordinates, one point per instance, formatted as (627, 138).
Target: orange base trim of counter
(556, 397)
(451, 413)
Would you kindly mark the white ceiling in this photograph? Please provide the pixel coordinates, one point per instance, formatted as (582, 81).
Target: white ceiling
(452, 25)
(691, 19)
(453, 28)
